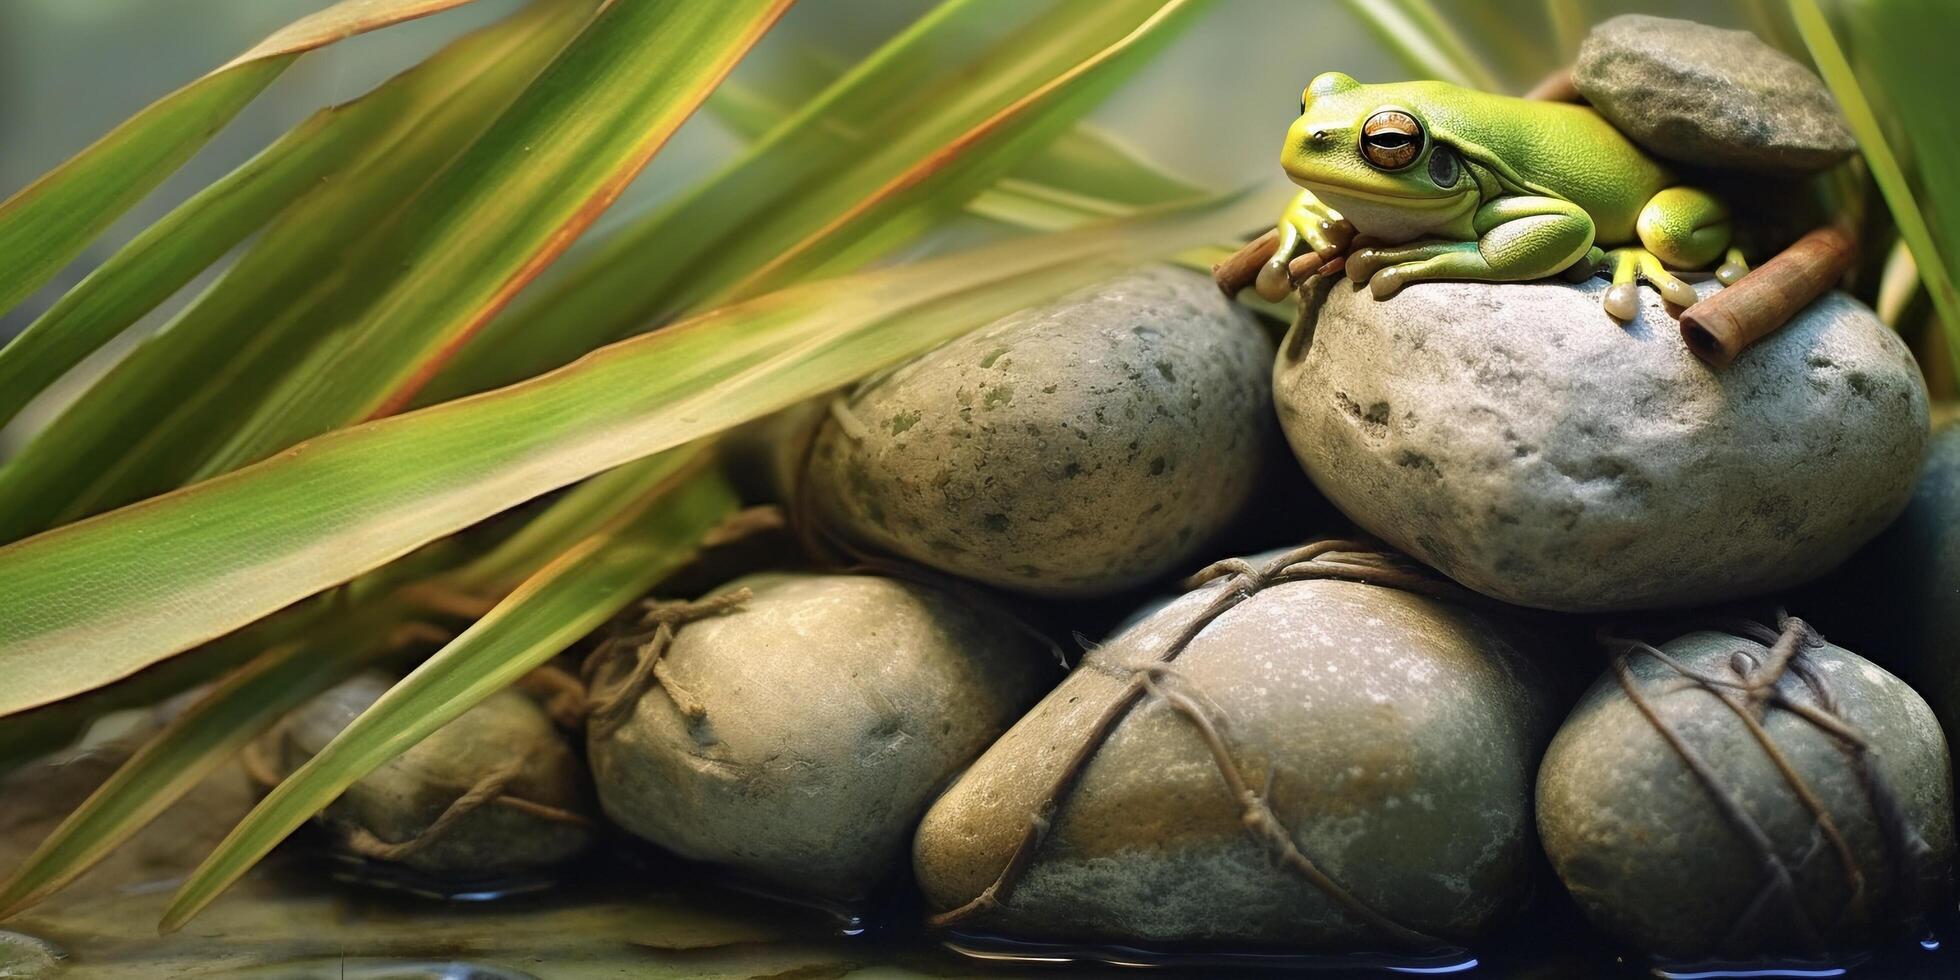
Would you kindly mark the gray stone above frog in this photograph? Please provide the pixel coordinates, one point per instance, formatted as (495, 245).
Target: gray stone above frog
(1519, 440)
(1711, 97)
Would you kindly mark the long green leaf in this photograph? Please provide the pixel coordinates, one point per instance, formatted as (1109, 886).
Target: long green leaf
(1406, 38)
(159, 414)
(512, 204)
(188, 749)
(1934, 268)
(900, 142)
(167, 255)
(47, 224)
(86, 604)
(569, 598)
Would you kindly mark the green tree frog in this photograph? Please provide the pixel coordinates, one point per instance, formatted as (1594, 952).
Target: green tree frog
(1442, 182)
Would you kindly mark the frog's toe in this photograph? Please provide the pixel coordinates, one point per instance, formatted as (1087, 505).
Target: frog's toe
(1733, 267)
(1387, 282)
(1672, 289)
(1622, 301)
(1274, 281)
(1363, 263)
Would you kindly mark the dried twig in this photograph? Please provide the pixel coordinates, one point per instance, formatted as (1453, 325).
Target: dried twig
(1760, 303)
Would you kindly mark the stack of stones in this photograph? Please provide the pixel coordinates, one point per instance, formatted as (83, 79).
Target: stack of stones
(1373, 740)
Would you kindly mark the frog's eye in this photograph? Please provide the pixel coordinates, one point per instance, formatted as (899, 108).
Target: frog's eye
(1391, 139)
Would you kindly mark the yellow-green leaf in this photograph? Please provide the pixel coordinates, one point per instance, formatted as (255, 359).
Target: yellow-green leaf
(507, 208)
(83, 605)
(47, 224)
(900, 142)
(161, 412)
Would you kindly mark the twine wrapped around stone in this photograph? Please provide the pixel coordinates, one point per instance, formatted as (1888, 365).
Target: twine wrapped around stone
(950, 848)
(1854, 812)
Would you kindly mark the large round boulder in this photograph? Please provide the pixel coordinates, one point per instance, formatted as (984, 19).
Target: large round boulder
(1326, 765)
(1071, 449)
(1526, 444)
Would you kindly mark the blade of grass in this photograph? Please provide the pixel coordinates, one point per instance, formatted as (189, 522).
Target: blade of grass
(188, 749)
(92, 602)
(564, 601)
(167, 255)
(1569, 21)
(966, 79)
(1934, 269)
(511, 205)
(47, 224)
(1444, 34)
(148, 425)
(1408, 40)
(1083, 175)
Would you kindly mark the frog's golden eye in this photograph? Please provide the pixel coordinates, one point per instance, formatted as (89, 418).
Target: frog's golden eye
(1391, 139)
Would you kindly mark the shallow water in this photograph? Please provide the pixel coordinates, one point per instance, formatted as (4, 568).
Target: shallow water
(632, 913)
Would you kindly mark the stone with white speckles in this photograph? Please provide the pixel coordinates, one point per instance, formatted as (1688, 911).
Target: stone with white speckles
(798, 738)
(1071, 449)
(1398, 736)
(1653, 858)
(1524, 443)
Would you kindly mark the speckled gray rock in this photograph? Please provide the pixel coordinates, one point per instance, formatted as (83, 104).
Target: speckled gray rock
(1396, 735)
(1650, 856)
(1070, 449)
(1520, 440)
(401, 799)
(798, 738)
(1712, 97)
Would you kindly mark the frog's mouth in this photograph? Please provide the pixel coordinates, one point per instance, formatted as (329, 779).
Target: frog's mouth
(1410, 201)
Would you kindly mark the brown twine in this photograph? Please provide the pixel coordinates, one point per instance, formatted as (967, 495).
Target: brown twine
(630, 661)
(492, 789)
(1341, 560)
(1749, 698)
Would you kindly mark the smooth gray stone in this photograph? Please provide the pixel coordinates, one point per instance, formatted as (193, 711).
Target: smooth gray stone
(799, 737)
(1523, 442)
(402, 798)
(1073, 449)
(1643, 847)
(1394, 738)
(1712, 97)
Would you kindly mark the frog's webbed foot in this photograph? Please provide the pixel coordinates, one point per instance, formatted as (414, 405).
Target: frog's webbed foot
(1632, 265)
(1733, 267)
(1307, 225)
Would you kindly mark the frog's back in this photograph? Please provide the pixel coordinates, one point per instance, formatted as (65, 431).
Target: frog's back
(1567, 150)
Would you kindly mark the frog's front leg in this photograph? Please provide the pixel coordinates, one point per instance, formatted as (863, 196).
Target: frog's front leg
(1306, 224)
(1518, 238)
